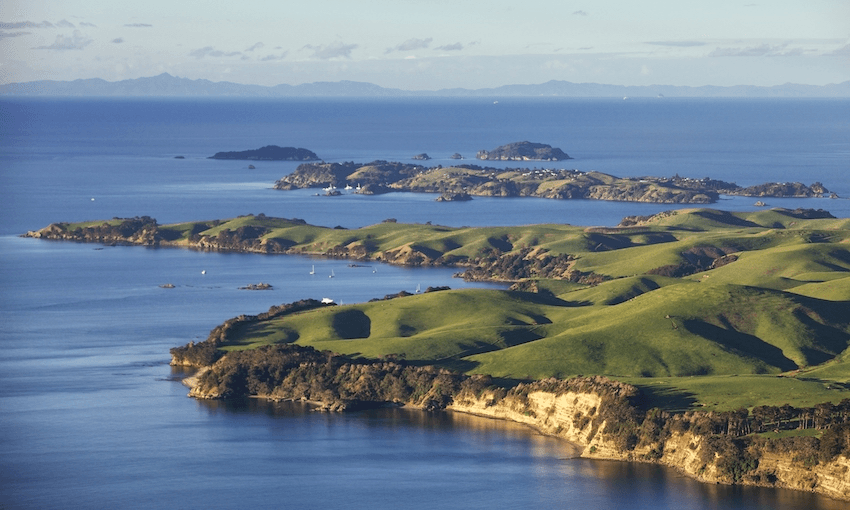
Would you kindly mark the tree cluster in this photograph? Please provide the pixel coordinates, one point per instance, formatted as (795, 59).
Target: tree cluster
(517, 265)
(295, 372)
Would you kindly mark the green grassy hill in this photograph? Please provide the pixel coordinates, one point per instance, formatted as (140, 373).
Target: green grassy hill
(768, 325)
(699, 306)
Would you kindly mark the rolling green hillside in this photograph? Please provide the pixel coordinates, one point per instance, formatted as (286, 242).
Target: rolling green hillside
(778, 305)
(700, 306)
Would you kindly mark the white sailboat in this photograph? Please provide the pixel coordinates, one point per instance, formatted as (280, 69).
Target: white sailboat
(313, 271)
(332, 274)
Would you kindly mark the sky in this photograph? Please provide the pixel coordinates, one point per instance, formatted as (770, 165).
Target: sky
(430, 45)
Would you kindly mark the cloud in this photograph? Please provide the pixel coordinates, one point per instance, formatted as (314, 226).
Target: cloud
(77, 41)
(579, 13)
(558, 65)
(843, 51)
(25, 24)
(270, 58)
(138, 25)
(118, 41)
(6, 35)
(255, 46)
(411, 45)
(682, 44)
(765, 50)
(209, 51)
(450, 47)
(65, 24)
(85, 24)
(333, 50)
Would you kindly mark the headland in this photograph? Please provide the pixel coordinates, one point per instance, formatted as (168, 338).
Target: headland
(710, 341)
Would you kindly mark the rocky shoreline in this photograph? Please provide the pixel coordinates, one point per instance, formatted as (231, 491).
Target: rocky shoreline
(602, 417)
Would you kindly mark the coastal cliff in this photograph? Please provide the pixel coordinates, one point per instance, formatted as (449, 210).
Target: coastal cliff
(602, 416)
(580, 417)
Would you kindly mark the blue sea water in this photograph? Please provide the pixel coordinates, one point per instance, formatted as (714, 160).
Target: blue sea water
(91, 415)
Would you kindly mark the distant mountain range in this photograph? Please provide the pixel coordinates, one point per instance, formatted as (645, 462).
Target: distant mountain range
(165, 85)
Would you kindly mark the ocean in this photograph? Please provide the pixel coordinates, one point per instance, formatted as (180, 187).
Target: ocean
(92, 416)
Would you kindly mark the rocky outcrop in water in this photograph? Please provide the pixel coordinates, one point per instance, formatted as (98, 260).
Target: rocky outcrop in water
(454, 197)
(257, 286)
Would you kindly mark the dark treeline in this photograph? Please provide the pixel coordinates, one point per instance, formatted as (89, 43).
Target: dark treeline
(340, 383)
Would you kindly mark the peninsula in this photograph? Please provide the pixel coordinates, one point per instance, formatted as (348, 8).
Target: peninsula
(713, 342)
(385, 176)
(270, 153)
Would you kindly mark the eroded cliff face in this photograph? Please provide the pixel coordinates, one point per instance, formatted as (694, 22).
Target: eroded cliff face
(567, 416)
(575, 416)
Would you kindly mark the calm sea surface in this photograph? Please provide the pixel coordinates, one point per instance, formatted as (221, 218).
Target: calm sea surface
(92, 416)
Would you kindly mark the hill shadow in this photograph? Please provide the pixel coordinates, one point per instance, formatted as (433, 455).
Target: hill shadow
(352, 324)
(668, 398)
(431, 253)
(830, 341)
(547, 298)
(741, 343)
(724, 217)
(517, 336)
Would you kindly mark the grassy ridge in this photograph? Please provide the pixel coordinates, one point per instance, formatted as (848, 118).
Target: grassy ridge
(701, 308)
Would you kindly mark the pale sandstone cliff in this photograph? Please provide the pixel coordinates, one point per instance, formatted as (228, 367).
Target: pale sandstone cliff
(570, 416)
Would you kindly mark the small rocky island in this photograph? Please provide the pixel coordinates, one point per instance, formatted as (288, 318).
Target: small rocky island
(454, 197)
(524, 151)
(257, 286)
(269, 153)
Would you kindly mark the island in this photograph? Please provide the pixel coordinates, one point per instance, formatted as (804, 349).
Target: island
(524, 151)
(710, 341)
(269, 153)
(473, 180)
(257, 286)
(454, 197)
